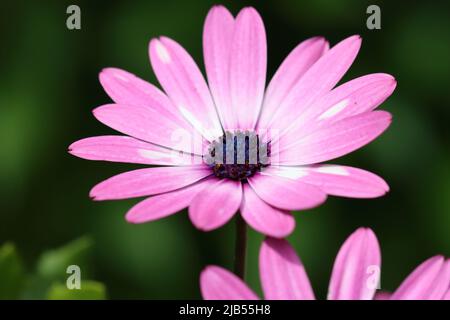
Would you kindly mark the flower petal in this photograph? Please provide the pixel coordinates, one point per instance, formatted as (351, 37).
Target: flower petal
(336, 180)
(127, 89)
(163, 205)
(248, 67)
(149, 181)
(129, 150)
(283, 276)
(183, 82)
(357, 96)
(217, 37)
(429, 281)
(124, 87)
(356, 270)
(446, 296)
(382, 295)
(299, 60)
(264, 218)
(216, 204)
(149, 125)
(217, 283)
(335, 140)
(287, 194)
(318, 80)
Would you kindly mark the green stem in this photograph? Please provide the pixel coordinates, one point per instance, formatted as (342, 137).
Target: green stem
(240, 247)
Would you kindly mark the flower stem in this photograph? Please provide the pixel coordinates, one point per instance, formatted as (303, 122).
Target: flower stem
(240, 251)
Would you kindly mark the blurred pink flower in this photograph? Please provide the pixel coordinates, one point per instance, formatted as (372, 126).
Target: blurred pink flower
(355, 275)
(298, 121)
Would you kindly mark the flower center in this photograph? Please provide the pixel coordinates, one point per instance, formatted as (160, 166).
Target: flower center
(238, 155)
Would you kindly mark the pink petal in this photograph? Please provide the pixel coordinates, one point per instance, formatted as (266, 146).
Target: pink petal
(216, 204)
(264, 218)
(248, 67)
(357, 96)
(163, 205)
(217, 283)
(382, 295)
(446, 296)
(285, 193)
(335, 140)
(217, 37)
(149, 181)
(283, 276)
(183, 82)
(318, 80)
(149, 125)
(337, 180)
(127, 89)
(429, 281)
(129, 150)
(356, 270)
(299, 60)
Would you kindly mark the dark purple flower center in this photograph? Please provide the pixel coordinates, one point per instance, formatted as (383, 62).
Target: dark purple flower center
(238, 155)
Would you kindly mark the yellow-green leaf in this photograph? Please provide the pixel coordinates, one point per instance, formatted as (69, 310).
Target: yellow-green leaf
(12, 274)
(53, 264)
(90, 290)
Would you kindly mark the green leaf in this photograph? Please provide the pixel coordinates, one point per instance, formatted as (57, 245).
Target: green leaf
(53, 264)
(12, 274)
(35, 288)
(90, 290)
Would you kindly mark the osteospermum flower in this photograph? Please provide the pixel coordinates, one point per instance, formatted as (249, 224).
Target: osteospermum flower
(355, 275)
(232, 144)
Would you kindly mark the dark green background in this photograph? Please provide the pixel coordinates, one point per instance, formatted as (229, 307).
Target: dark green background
(49, 85)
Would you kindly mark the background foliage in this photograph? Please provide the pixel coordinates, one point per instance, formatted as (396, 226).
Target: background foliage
(48, 87)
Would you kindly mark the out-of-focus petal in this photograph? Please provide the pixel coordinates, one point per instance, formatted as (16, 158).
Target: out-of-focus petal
(286, 194)
(129, 150)
(216, 204)
(429, 281)
(217, 37)
(217, 283)
(183, 82)
(248, 67)
(356, 270)
(336, 140)
(149, 181)
(447, 295)
(163, 205)
(150, 125)
(382, 295)
(264, 218)
(299, 60)
(282, 274)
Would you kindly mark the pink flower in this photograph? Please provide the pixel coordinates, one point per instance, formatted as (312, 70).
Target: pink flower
(276, 135)
(355, 275)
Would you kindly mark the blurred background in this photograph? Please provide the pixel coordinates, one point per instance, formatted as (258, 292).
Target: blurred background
(49, 85)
